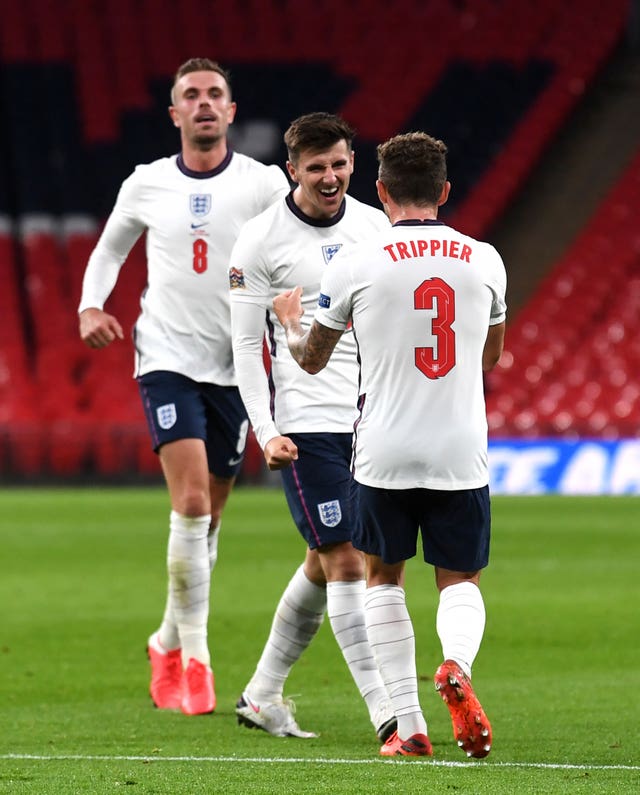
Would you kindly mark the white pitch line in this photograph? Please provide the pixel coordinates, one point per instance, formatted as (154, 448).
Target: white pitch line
(309, 760)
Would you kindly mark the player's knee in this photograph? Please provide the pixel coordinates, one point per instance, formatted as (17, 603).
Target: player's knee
(342, 563)
(193, 502)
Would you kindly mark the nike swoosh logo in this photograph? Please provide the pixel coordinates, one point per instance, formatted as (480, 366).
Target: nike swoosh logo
(199, 226)
(253, 706)
(233, 461)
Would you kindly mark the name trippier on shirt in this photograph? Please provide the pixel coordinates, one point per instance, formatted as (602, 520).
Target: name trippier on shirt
(436, 248)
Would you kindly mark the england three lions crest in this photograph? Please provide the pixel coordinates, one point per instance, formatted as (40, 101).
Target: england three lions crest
(167, 416)
(330, 513)
(200, 204)
(329, 252)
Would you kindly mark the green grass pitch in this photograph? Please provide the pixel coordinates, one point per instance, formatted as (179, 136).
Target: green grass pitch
(82, 584)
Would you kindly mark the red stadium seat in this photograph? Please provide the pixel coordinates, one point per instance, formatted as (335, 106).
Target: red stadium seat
(581, 331)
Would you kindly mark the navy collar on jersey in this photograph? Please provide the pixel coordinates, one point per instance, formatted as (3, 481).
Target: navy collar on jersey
(204, 174)
(315, 221)
(420, 222)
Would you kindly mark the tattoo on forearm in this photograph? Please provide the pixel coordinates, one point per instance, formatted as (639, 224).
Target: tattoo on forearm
(312, 349)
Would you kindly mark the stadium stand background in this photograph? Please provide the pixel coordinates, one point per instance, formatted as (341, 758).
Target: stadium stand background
(537, 101)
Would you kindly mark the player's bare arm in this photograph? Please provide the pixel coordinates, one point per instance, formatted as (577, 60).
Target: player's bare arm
(313, 348)
(493, 346)
(98, 328)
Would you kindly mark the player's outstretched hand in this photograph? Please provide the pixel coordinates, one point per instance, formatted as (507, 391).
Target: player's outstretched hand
(279, 452)
(288, 306)
(98, 328)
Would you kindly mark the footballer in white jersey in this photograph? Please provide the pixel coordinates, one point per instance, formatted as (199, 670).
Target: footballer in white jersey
(191, 219)
(305, 423)
(417, 295)
(280, 248)
(191, 208)
(427, 308)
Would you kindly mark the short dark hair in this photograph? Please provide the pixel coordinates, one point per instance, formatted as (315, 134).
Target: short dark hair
(316, 132)
(413, 168)
(200, 65)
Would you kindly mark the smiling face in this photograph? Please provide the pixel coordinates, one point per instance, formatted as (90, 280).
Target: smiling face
(202, 109)
(323, 179)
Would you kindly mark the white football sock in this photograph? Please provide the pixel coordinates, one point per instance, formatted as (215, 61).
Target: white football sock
(168, 632)
(345, 608)
(460, 623)
(297, 619)
(189, 578)
(212, 543)
(392, 641)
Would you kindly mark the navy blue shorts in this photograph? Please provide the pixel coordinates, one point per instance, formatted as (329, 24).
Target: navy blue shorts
(455, 525)
(319, 487)
(177, 407)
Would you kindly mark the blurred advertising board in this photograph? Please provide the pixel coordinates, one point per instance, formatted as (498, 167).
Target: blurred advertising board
(557, 466)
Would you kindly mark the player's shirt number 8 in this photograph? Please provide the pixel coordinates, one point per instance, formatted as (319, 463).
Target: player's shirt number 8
(200, 251)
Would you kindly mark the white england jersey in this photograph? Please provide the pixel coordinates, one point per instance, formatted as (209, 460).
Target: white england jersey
(421, 297)
(192, 220)
(276, 251)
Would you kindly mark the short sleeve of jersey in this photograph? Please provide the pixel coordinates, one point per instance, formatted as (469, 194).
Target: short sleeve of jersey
(497, 283)
(334, 303)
